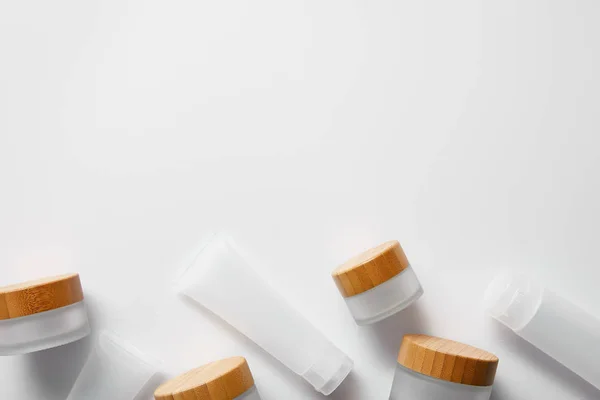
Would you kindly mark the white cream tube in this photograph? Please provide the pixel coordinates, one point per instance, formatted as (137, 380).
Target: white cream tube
(550, 322)
(116, 370)
(221, 280)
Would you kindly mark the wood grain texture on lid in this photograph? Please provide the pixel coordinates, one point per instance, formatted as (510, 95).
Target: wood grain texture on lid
(220, 380)
(40, 295)
(448, 360)
(370, 269)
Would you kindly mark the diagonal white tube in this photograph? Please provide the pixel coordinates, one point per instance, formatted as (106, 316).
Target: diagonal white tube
(550, 322)
(221, 280)
(116, 370)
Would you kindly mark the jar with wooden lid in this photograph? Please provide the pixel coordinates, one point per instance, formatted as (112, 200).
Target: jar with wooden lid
(377, 283)
(432, 368)
(42, 314)
(228, 379)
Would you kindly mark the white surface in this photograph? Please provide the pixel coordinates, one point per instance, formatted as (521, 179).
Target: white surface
(309, 131)
(222, 281)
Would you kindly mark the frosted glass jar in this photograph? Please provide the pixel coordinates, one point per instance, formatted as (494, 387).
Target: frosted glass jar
(431, 368)
(222, 281)
(42, 314)
(116, 370)
(377, 283)
(228, 379)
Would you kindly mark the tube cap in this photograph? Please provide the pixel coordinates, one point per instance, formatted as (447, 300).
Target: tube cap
(116, 370)
(40, 295)
(329, 371)
(513, 299)
(220, 380)
(370, 268)
(448, 360)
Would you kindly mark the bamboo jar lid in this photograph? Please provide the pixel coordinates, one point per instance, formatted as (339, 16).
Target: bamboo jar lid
(40, 295)
(370, 269)
(448, 360)
(220, 380)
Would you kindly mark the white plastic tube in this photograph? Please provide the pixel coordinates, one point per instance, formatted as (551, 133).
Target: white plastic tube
(548, 321)
(116, 370)
(221, 280)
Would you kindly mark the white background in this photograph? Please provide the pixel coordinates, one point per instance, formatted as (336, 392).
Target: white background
(309, 131)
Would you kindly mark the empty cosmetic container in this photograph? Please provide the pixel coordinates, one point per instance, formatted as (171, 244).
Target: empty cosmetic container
(116, 370)
(431, 368)
(228, 379)
(42, 314)
(222, 281)
(550, 322)
(377, 283)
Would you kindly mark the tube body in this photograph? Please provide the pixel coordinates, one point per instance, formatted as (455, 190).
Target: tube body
(550, 322)
(411, 385)
(222, 281)
(117, 371)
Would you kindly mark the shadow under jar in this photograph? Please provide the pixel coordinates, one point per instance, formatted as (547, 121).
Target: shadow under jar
(431, 368)
(42, 314)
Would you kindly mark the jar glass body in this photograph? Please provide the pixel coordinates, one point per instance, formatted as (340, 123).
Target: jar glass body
(43, 330)
(409, 384)
(386, 299)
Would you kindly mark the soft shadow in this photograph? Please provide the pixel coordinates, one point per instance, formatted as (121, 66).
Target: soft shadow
(347, 389)
(386, 335)
(147, 392)
(55, 370)
(499, 392)
(549, 366)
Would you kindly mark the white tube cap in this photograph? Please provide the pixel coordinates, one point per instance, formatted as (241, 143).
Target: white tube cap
(329, 371)
(513, 299)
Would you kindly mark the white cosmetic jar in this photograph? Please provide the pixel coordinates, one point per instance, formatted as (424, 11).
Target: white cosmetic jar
(42, 314)
(377, 283)
(431, 368)
(227, 379)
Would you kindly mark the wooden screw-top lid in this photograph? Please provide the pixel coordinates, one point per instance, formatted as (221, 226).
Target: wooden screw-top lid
(220, 380)
(41, 295)
(370, 269)
(448, 360)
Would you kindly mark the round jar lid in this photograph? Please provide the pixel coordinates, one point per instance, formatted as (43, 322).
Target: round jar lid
(370, 269)
(448, 360)
(220, 380)
(40, 295)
